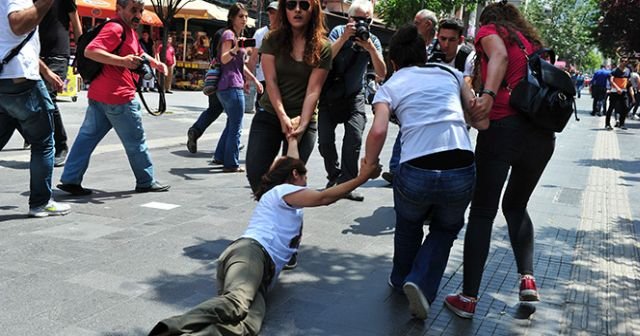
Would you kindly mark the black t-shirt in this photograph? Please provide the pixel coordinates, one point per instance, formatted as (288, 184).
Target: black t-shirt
(54, 29)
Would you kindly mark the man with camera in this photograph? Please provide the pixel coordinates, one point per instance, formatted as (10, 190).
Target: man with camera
(342, 100)
(112, 101)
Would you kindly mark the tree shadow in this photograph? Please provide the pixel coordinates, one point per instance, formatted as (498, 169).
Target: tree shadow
(199, 155)
(381, 222)
(186, 173)
(625, 166)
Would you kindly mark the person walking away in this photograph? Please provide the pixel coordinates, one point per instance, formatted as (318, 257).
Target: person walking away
(296, 57)
(112, 103)
(436, 174)
(511, 150)
(250, 265)
(147, 46)
(170, 59)
(621, 93)
(55, 52)
(230, 89)
(214, 108)
(634, 79)
(24, 100)
(599, 91)
(342, 99)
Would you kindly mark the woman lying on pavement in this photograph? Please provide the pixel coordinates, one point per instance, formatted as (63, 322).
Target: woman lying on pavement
(251, 264)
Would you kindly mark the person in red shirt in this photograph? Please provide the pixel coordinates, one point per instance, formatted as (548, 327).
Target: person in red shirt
(112, 104)
(170, 62)
(511, 150)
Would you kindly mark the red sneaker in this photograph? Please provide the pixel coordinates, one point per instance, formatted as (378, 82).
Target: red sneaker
(461, 305)
(528, 289)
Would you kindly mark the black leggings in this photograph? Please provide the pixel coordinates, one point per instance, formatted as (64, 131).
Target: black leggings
(512, 144)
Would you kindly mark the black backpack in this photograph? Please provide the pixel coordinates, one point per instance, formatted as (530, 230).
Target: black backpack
(545, 94)
(88, 68)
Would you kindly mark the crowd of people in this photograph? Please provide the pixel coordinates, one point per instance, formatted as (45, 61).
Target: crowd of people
(618, 85)
(310, 81)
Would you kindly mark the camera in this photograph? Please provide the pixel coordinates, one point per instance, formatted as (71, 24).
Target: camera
(437, 55)
(247, 43)
(144, 69)
(362, 30)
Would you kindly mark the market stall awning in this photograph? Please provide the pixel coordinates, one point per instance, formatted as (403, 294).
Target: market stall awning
(107, 9)
(199, 9)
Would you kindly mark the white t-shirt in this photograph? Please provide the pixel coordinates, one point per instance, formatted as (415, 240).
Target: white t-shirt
(26, 63)
(276, 225)
(428, 106)
(468, 63)
(259, 35)
(635, 81)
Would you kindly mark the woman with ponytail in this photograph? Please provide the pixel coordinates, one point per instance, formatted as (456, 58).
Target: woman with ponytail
(511, 150)
(252, 263)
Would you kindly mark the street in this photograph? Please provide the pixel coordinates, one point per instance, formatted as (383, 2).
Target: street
(122, 261)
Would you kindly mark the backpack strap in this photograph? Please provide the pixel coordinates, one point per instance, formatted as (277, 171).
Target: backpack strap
(16, 50)
(461, 57)
(442, 67)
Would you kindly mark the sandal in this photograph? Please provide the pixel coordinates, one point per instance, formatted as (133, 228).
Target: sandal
(233, 170)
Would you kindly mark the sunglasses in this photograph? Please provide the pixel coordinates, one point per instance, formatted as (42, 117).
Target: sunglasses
(304, 5)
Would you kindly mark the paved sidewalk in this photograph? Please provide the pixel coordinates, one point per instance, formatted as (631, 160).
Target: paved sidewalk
(122, 261)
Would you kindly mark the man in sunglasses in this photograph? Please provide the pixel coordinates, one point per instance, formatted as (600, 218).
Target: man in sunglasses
(342, 101)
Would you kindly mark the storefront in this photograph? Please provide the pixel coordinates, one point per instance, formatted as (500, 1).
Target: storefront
(196, 23)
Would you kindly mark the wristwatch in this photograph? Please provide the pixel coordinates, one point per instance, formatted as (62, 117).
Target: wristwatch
(489, 92)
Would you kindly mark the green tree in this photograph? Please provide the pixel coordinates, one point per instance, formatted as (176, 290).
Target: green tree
(565, 26)
(592, 61)
(395, 13)
(619, 26)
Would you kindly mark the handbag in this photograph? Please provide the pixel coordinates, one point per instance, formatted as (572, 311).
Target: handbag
(211, 78)
(545, 95)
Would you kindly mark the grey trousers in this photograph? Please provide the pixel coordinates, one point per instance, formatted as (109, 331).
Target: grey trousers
(244, 272)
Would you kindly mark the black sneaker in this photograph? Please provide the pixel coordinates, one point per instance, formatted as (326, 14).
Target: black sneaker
(60, 158)
(74, 189)
(608, 127)
(293, 262)
(154, 187)
(388, 176)
(332, 181)
(354, 196)
(192, 140)
(623, 127)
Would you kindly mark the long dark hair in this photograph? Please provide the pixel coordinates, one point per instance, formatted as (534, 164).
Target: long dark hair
(508, 20)
(406, 47)
(315, 36)
(234, 10)
(281, 172)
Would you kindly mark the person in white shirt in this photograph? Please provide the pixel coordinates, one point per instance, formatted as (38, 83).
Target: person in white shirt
(24, 100)
(252, 263)
(436, 174)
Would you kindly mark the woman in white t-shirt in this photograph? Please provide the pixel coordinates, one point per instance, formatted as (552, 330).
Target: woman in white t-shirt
(252, 263)
(436, 175)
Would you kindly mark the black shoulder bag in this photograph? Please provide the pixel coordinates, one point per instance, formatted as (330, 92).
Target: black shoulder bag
(545, 95)
(15, 51)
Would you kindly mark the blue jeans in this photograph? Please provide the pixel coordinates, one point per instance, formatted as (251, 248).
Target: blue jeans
(418, 194)
(208, 116)
(29, 106)
(394, 161)
(98, 121)
(228, 149)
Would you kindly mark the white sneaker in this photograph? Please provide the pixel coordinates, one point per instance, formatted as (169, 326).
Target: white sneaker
(50, 209)
(418, 304)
